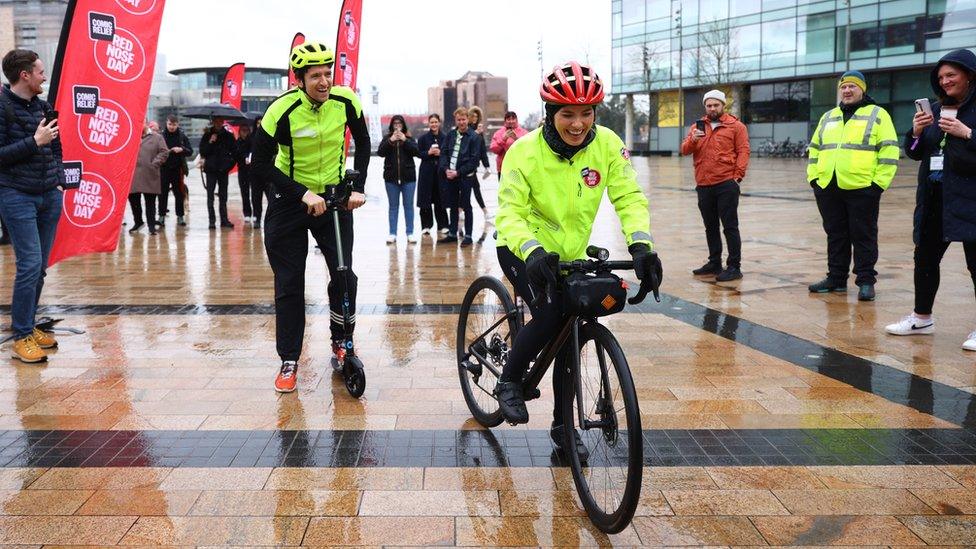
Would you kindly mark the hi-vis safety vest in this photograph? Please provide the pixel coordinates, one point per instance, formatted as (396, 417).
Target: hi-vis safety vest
(861, 152)
(546, 201)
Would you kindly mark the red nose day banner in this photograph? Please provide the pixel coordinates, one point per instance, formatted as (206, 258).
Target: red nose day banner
(100, 88)
(230, 94)
(345, 70)
(298, 39)
(232, 91)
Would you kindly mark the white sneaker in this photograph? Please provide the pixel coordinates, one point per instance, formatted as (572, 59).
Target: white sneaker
(970, 343)
(912, 325)
(444, 231)
(411, 239)
(391, 239)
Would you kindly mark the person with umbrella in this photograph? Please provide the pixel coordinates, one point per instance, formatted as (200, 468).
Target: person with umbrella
(217, 146)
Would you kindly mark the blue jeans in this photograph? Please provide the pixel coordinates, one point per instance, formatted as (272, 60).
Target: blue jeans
(393, 192)
(32, 220)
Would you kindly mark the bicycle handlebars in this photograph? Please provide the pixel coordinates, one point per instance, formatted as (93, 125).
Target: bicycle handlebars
(601, 263)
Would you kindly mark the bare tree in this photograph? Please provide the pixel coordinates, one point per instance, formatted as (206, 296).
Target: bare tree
(716, 54)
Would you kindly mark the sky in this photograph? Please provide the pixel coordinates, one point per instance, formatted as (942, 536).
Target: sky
(406, 47)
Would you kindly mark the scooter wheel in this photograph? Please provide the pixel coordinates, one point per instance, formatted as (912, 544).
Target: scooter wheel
(355, 377)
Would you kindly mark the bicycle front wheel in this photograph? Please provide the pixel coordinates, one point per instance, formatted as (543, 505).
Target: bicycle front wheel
(604, 408)
(486, 328)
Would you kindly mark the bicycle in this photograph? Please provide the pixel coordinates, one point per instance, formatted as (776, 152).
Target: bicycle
(597, 398)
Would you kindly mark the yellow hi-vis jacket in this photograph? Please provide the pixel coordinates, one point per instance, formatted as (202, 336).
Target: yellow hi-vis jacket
(860, 152)
(544, 200)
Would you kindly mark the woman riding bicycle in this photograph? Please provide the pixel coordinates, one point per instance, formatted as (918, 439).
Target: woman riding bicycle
(553, 181)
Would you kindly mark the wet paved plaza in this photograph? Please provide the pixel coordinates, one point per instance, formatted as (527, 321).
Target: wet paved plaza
(770, 416)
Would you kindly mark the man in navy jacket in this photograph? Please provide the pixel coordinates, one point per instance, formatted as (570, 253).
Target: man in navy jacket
(31, 182)
(459, 165)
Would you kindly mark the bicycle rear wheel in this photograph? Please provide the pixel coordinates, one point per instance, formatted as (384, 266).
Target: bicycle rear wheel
(486, 328)
(609, 482)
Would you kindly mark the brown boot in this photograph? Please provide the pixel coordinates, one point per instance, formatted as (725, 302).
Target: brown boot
(27, 350)
(44, 340)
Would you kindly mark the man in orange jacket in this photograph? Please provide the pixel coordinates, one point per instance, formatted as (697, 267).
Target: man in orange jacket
(719, 144)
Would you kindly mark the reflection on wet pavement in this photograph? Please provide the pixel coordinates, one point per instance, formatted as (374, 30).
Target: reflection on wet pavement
(771, 416)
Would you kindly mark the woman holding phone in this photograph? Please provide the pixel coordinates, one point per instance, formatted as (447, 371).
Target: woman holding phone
(398, 149)
(945, 202)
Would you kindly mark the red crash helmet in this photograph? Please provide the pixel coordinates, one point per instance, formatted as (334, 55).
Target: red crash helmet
(572, 84)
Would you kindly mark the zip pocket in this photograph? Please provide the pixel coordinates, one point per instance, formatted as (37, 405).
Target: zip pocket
(542, 220)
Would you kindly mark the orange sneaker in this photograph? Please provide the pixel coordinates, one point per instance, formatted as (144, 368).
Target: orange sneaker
(44, 340)
(287, 378)
(27, 350)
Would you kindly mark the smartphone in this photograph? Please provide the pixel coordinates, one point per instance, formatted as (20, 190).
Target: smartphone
(700, 125)
(923, 105)
(51, 115)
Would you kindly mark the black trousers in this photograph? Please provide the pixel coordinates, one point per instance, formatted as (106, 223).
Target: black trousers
(929, 252)
(547, 319)
(720, 204)
(258, 189)
(244, 182)
(171, 179)
(286, 243)
(217, 182)
(434, 211)
(850, 219)
(150, 200)
(457, 194)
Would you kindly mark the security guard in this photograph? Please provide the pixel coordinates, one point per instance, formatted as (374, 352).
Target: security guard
(299, 150)
(853, 158)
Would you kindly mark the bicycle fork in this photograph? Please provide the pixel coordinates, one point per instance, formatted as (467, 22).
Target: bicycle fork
(603, 398)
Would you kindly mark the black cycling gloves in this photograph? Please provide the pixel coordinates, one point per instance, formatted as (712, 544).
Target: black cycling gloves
(646, 263)
(542, 268)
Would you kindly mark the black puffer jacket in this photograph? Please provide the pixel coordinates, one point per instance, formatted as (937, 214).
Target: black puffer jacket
(219, 155)
(959, 174)
(398, 165)
(23, 165)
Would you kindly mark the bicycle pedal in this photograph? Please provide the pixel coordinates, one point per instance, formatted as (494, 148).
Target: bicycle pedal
(474, 368)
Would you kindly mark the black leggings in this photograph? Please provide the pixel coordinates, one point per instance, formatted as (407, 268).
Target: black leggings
(476, 187)
(929, 251)
(544, 326)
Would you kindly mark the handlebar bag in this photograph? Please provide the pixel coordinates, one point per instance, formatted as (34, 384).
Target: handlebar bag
(593, 295)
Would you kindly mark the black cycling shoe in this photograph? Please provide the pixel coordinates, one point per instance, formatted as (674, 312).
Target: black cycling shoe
(511, 402)
(556, 434)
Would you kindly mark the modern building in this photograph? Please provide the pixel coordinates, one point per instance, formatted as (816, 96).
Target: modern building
(442, 99)
(32, 24)
(778, 60)
(473, 88)
(199, 86)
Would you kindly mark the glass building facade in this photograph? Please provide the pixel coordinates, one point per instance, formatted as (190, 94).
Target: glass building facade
(198, 86)
(777, 60)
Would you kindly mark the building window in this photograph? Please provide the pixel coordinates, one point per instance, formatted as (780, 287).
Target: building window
(779, 102)
(633, 12)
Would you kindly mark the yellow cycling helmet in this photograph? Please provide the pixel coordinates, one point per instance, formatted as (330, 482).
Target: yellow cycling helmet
(311, 54)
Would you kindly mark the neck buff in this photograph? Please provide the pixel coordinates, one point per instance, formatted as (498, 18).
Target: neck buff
(556, 143)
